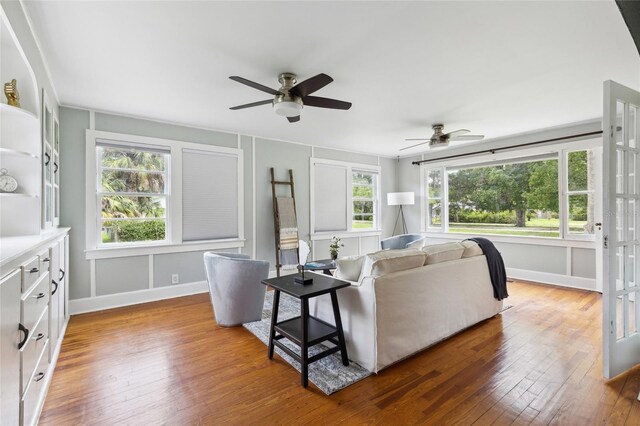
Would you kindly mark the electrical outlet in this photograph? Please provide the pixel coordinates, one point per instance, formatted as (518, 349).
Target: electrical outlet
(175, 279)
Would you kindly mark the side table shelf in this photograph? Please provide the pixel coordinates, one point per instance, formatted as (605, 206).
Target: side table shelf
(306, 330)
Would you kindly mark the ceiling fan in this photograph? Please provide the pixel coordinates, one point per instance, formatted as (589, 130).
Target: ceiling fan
(291, 97)
(440, 139)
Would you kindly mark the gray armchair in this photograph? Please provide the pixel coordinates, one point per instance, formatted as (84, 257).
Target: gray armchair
(399, 241)
(234, 286)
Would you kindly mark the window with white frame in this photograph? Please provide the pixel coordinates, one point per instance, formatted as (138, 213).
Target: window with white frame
(132, 192)
(533, 196)
(150, 191)
(345, 196)
(364, 190)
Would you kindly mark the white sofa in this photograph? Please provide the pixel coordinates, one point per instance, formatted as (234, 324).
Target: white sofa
(390, 314)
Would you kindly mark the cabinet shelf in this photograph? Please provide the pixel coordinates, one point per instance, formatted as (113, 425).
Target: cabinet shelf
(9, 151)
(9, 110)
(16, 195)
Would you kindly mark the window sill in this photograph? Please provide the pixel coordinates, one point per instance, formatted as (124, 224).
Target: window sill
(161, 248)
(537, 241)
(346, 234)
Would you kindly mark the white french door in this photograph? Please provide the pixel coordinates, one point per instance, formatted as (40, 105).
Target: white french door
(621, 232)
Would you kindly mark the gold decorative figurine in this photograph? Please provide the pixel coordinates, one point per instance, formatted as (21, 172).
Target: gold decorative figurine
(11, 92)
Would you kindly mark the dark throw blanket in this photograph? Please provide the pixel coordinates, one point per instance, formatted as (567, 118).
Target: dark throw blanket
(496, 267)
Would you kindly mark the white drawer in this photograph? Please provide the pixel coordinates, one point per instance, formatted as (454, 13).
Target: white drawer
(34, 348)
(45, 260)
(30, 404)
(30, 273)
(35, 302)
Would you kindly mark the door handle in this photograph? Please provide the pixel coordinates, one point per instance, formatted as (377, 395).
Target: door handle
(599, 225)
(55, 289)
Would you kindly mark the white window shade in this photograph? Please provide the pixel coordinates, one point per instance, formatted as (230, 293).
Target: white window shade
(209, 195)
(330, 193)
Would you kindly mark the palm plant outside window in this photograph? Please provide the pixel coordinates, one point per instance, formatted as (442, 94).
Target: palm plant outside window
(132, 193)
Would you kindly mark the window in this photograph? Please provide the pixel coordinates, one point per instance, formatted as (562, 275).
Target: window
(345, 196)
(505, 199)
(434, 199)
(536, 196)
(209, 210)
(365, 199)
(145, 194)
(132, 193)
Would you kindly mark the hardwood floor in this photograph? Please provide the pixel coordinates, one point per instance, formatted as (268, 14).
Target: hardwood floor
(168, 363)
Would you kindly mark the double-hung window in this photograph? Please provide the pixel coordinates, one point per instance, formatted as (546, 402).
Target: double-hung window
(133, 192)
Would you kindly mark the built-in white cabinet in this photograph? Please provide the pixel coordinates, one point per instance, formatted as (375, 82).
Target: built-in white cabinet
(33, 318)
(10, 336)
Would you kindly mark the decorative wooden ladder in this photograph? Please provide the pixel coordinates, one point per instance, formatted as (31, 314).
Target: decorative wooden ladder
(276, 213)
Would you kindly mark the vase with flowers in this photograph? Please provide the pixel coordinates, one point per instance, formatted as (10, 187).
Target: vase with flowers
(334, 246)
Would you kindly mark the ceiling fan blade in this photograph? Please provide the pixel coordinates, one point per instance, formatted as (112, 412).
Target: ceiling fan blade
(310, 85)
(467, 138)
(293, 119)
(413, 146)
(455, 133)
(255, 85)
(325, 102)
(419, 139)
(253, 104)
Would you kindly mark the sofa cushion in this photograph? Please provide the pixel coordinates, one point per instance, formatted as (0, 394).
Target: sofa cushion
(387, 261)
(445, 252)
(471, 249)
(349, 268)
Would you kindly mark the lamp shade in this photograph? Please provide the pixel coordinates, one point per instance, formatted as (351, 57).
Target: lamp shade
(400, 198)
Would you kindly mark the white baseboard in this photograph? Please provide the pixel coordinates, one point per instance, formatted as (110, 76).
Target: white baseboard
(99, 303)
(555, 279)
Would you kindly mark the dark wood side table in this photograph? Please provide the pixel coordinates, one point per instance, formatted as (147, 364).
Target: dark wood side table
(324, 265)
(306, 330)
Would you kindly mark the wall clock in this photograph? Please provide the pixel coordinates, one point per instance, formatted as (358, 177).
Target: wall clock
(7, 183)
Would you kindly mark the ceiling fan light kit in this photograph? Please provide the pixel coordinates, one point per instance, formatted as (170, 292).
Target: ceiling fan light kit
(290, 99)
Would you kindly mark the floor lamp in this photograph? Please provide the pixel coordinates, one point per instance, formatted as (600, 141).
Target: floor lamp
(400, 199)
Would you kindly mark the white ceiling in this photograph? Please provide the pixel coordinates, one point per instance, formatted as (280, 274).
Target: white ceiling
(496, 68)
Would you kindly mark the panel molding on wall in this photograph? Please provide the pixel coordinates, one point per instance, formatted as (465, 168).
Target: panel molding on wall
(116, 300)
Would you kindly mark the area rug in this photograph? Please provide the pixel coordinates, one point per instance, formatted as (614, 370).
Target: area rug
(328, 374)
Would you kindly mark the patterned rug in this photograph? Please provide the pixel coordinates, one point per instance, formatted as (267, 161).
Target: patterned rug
(328, 374)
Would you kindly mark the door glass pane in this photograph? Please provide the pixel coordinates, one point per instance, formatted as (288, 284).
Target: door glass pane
(632, 325)
(633, 125)
(48, 164)
(619, 267)
(619, 130)
(57, 202)
(619, 172)
(619, 219)
(619, 317)
(631, 269)
(47, 203)
(631, 172)
(631, 215)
